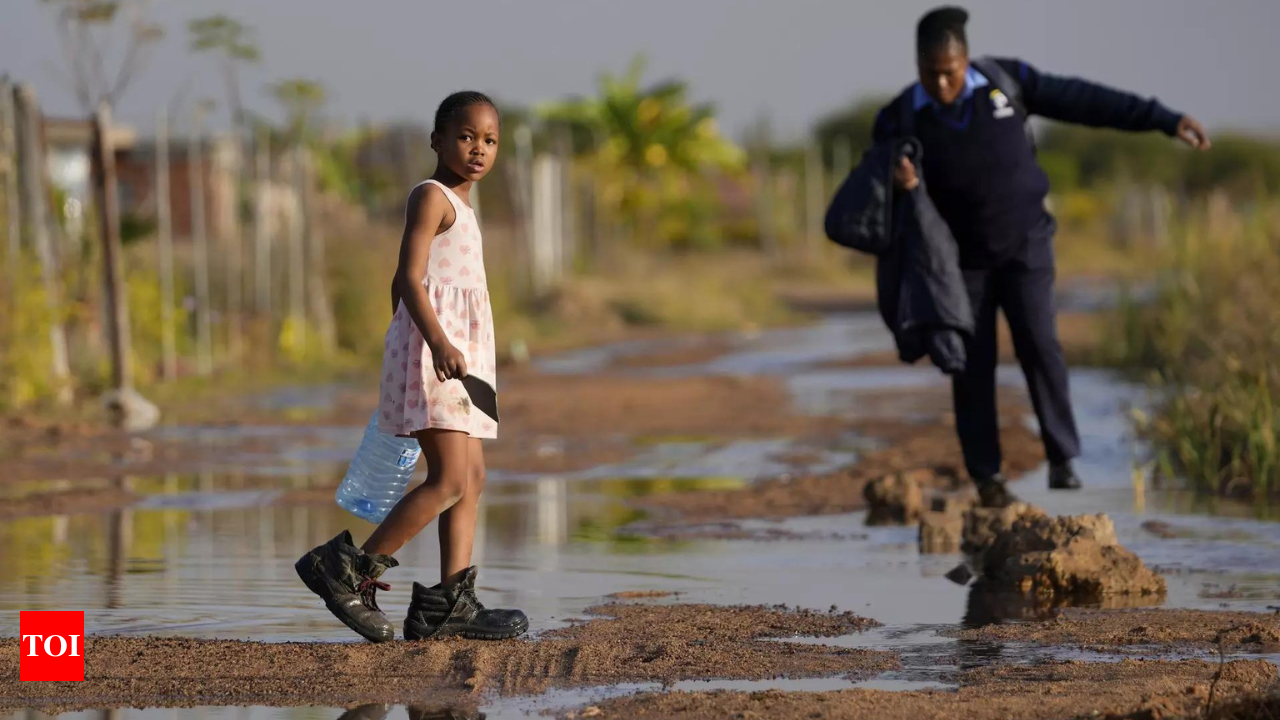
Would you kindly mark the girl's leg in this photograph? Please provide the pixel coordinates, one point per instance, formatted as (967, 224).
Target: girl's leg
(447, 478)
(458, 523)
(452, 608)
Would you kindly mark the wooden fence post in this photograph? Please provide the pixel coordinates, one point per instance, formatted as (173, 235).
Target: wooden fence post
(520, 174)
(297, 256)
(317, 287)
(261, 226)
(815, 198)
(108, 201)
(164, 232)
(765, 221)
(200, 244)
(13, 216)
(128, 409)
(35, 215)
(841, 157)
(234, 262)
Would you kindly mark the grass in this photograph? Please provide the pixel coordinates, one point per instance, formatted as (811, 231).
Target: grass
(1208, 340)
(694, 292)
(1088, 243)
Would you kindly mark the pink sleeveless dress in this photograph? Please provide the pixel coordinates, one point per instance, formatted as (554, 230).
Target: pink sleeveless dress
(413, 398)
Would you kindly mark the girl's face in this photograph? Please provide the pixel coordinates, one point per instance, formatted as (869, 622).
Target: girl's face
(468, 145)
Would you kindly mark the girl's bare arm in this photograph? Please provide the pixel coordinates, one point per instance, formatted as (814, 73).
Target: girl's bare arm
(429, 213)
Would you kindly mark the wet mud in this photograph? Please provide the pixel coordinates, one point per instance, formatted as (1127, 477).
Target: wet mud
(929, 446)
(1153, 628)
(1152, 690)
(623, 643)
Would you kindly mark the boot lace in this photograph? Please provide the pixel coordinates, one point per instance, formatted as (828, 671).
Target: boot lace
(367, 588)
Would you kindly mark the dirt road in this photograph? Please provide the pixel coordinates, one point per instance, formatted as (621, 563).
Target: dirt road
(705, 484)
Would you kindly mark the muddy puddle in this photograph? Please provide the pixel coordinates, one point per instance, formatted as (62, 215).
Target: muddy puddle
(209, 552)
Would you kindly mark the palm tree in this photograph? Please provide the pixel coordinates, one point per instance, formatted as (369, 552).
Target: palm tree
(650, 145)
(648, 128)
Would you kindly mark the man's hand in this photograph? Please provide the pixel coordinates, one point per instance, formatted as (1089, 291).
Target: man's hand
(1191, 132)
(904, 175)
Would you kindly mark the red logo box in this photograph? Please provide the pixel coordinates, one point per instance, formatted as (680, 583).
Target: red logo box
(51, 645)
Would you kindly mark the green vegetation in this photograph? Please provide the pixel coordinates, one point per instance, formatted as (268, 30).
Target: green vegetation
(1209, 339)
(654, 156)
(1087, 158)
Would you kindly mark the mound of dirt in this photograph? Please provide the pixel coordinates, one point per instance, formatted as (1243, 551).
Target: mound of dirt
(983, 525)
(1069, 557)
(940, 533)
(896, 499)
(942, 528)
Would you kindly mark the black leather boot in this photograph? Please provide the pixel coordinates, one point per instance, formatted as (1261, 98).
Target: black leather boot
(346, 578)
(451, 608)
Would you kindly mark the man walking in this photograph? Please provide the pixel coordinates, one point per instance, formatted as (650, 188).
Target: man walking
(984, 179)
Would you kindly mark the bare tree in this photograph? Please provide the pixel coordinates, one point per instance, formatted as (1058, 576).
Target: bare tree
(200, 240)
(234, 43)
(301, 99)
(88, 30)
(104, 170)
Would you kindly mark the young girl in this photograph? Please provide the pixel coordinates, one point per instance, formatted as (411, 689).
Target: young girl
(438, 385)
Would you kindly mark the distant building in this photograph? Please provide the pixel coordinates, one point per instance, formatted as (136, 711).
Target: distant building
(220, 160)
(69, 160)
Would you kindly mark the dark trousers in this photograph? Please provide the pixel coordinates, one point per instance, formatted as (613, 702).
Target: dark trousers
(1023, 288)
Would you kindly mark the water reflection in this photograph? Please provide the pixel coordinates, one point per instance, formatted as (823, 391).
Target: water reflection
(210, 555)
(987, 606)
(415, 712)
(197, 555)
(423, 713)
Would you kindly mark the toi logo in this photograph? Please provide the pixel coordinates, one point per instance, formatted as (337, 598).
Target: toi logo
(51, 645)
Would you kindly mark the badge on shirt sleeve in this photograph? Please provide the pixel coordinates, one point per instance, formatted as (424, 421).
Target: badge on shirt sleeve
(1003, 108)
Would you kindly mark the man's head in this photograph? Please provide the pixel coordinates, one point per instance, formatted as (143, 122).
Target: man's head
(942, 53)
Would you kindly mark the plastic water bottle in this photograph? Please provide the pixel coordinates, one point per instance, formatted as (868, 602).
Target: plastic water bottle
(379, 474)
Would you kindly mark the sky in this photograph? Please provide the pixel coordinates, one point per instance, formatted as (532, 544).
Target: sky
(789, 61)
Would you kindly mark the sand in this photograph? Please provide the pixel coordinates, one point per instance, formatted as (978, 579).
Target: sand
(622, 643)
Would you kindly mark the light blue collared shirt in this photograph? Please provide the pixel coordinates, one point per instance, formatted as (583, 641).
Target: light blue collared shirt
(972, 81)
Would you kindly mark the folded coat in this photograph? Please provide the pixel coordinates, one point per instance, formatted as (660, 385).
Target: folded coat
(919, 287)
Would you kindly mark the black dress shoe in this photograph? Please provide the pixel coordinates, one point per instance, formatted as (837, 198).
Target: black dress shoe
(993, 493)
(1063, 477)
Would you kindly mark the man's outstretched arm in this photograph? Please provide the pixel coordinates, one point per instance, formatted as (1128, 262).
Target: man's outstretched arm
(1087, 103)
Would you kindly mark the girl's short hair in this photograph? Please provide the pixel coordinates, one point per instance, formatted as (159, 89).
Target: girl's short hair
(457, 102)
